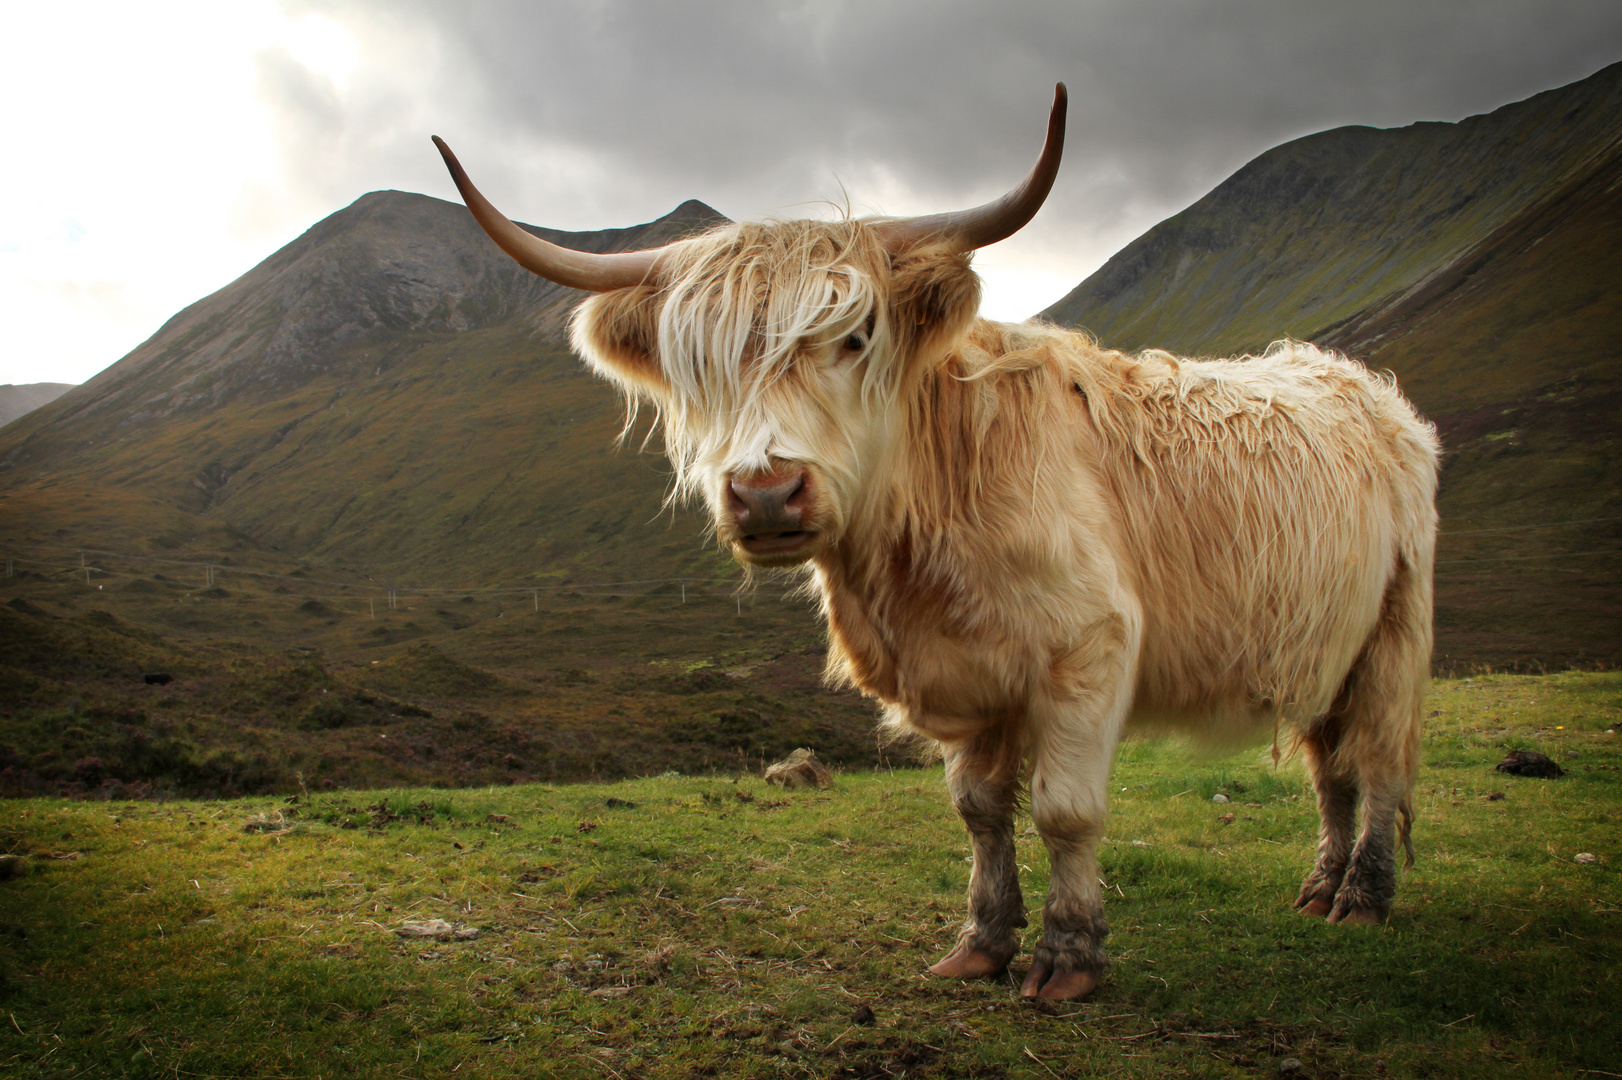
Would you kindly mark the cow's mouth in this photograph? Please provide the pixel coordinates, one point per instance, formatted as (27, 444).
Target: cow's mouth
(776, 545)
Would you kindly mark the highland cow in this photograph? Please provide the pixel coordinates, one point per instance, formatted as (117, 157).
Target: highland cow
(1025, 544)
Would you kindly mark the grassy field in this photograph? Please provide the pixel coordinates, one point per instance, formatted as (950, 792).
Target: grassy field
(712, 926)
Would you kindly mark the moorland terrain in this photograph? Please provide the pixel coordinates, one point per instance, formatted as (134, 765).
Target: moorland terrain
(367, 512)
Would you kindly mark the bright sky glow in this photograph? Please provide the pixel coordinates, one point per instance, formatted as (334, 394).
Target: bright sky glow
(158, 150)
(153, 170)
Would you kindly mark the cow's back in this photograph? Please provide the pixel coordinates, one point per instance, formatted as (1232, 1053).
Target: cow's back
(1262, 508)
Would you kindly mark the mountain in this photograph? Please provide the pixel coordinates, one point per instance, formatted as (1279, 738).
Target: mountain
(390, 401)
(1479, 262)
(20, 400)
(388, 394)
(346, 522)
(1312, 234)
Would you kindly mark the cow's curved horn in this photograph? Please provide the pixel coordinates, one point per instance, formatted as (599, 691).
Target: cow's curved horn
(970, 229)
(575, 269)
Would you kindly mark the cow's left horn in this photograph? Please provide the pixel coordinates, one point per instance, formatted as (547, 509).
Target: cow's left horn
(970, 229)
(575, 269)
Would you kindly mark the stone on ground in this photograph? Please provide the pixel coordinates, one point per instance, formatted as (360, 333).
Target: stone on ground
(800, 769)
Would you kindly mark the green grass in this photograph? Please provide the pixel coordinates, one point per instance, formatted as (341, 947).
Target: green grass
(718, 927)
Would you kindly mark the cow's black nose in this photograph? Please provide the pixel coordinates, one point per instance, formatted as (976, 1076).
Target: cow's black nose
(769, 502)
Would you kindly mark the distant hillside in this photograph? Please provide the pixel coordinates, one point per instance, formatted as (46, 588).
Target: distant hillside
(1314, 232)
(1482, 263)
(19, 400)
(388, 394)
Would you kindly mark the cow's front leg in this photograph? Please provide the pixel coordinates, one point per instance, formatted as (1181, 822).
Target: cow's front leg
(982, 774)
(1069, 785)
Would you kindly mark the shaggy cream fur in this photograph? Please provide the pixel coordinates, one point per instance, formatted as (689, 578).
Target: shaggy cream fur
(1025, 544)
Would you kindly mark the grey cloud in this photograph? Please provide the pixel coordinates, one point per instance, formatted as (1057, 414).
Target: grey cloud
(754, 106)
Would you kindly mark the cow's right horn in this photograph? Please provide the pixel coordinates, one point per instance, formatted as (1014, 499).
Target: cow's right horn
(575, 269)
(965, 230)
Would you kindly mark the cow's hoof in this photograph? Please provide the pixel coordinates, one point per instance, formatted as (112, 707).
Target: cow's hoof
(1059, 985)
(1356, 916)
(1318, 906)
(966, 963)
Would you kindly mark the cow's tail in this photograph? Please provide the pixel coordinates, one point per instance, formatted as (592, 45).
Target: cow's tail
(1405, 829)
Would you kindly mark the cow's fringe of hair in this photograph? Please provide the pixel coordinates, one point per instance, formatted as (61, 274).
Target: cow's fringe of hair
(740, 303)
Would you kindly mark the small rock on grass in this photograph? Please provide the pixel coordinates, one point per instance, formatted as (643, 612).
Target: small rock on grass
(800, 769)
(438, 929)
(1219, 798)
(1587, 858)
(1289, 1067)
(266, 823)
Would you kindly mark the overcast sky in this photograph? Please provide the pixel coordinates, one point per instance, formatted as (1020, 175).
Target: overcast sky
(159, 149)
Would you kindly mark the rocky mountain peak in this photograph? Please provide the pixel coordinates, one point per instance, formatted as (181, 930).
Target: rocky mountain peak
(391, 263)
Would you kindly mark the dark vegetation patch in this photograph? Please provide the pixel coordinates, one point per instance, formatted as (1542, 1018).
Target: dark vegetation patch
(423, 669)
(89, 715)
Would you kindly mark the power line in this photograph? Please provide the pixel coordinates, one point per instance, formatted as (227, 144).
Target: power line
(214, 569)
(1544, 525)
(1525, 558)
(489, 591)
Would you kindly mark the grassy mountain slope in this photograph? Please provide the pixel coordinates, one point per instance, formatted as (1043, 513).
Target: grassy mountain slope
(388, 394)
(1313, 232)
(1479, 262)
(1512, 350)
(20, 400)
(298, 499)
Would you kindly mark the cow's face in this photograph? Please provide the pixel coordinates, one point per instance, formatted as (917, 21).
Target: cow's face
(779, 357)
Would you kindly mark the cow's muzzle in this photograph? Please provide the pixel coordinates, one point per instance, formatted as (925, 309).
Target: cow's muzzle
(769, 514)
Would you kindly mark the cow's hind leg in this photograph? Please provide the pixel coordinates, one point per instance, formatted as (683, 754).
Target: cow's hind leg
(1337, 816)
(982, 775)
(1379, 710)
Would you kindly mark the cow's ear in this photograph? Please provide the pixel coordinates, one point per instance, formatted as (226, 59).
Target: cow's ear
(935, 295)
(618, 334)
